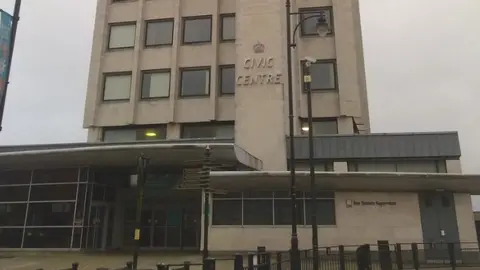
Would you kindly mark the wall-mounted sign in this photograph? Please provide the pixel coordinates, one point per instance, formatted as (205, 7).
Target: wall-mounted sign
(352, 203)
(258, 69)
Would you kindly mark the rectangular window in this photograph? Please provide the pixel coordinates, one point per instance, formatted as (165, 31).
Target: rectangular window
(228, 27)
(320, 126)
(197, 29)
(156, 84)
(324, 75)
(309, 26)
(122, 36)
(319, 167)
(271, 208)
(418, 166)
(117, 87)
(135, 134)
(227, 80)
(195, 82)
(159, 33)
(197, 131)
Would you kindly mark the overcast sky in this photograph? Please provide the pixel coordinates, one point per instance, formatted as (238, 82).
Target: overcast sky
(421, 61)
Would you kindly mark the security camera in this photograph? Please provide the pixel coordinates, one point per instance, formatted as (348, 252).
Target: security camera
(310, 59)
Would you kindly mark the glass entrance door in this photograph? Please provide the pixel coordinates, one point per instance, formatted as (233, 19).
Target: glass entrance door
(98, 226)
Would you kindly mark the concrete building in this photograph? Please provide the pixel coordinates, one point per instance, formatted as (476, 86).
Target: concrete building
(170, 79)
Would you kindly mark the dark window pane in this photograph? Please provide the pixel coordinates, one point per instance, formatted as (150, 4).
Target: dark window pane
(55, 176)
(83, 203)
(77, 234)
(12, 214)
(227, 80)
(159, 33)
(445, 201)
(258, 194)
(197, 30)
(50, 214)
(13, 193)
(309, 26)
(197, 131)
(135, 134)
(195, 82)
(98, 193)
(325, 195)
(323, 76)
(47, 238)
(257, 212)
(283, 212)
(84, 174)
(15, 177)
(325, 127)
(11, 238)
(53, 192)
(228, 28)
(235, 195)
(110, 193)
(325, 212)
(227, 212)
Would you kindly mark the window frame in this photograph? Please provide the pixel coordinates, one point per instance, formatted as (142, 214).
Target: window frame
(113, 74)
(145, 45)
(155, 71)
(317, 120)
(220, 80)
(212, 125)
(308, 11)
(180, 84)
(440, 164)
(321, 61)
(116, 24)
(136, 128)
(193, 18)
(223, 16)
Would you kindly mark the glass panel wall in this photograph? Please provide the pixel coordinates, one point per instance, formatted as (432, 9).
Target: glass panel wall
(43, 208)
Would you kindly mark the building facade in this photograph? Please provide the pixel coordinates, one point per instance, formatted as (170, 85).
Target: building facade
(176, 79)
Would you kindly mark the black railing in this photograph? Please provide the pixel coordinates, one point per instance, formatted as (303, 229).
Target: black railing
(380, 256)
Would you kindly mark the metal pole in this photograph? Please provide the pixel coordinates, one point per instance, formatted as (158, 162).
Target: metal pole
(307, 78)
(16, 18)
(141, 167)
(206, 202)
(294, 252)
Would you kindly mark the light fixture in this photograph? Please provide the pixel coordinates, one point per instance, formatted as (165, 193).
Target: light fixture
(305, 128)
(150, 134)
(322, 26)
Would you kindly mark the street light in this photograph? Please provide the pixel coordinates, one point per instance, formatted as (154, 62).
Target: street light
(322, 28)
(142, 163)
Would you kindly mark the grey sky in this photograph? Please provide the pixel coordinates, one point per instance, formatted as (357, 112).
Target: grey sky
(421, 61)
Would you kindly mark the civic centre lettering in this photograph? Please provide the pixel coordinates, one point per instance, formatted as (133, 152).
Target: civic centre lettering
(352, 203)
(257, 69)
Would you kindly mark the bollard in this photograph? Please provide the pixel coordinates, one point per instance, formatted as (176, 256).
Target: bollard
(129, 265)
(186, 265)
(209, 264)
(250, 257)
(238, 262)
(75, 266)
(161, 266)
(341, 256)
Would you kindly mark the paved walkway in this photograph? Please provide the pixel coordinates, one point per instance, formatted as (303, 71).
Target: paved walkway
(63, 260)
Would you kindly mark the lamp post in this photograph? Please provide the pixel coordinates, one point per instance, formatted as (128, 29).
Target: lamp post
(323, 29)
(141, 175)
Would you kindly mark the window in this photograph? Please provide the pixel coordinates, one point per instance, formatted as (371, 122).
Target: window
(414, 166)
(156, 84)
(122, 36)
(196, 131)
(195, 82)
(309, 26)
(324, 75)
(227, 80)
(159, 33)
(134, 134)
(228, 27)
(270, 208)
(320, 126)
(117, 87)
(197, 29)
(319, 167)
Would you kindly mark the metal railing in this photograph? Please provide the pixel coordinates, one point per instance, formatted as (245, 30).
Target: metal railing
(380, 256)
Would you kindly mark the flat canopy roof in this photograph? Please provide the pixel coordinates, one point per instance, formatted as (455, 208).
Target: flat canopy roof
(348, 181)
(176, 153)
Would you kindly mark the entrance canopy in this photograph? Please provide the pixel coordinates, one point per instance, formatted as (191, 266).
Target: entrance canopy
(171, 153)
(348, 181)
